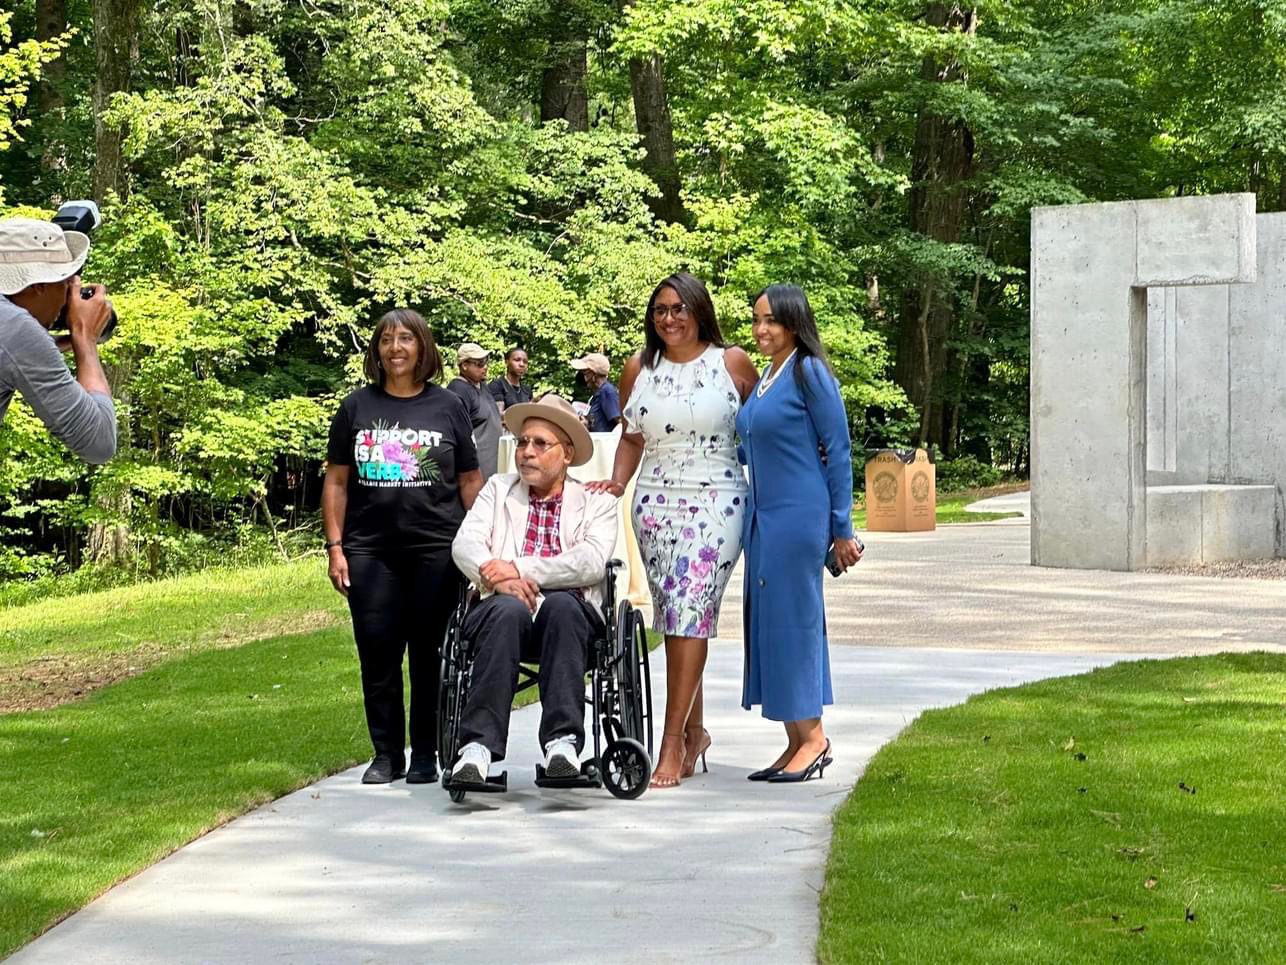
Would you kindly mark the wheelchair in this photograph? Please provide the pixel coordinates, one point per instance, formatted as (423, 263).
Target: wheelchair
(620, 695)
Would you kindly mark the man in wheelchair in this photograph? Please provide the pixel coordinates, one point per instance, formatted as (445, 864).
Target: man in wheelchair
(536, 544)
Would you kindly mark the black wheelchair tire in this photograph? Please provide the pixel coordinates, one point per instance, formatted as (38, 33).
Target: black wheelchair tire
(645, 669)
(626, 768)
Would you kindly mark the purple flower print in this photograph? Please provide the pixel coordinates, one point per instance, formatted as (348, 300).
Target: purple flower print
(709, 554)
(668, 584)
(671, 619)
(405, 461)
(650, 522)
(681, 566)
(689, 532)
(660, 498)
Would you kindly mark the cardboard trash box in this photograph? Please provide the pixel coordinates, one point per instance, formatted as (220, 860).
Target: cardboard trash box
(901, 491)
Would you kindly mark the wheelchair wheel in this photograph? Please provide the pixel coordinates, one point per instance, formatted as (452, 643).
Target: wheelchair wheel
(452, 691)
(626, 768)
(635, 676)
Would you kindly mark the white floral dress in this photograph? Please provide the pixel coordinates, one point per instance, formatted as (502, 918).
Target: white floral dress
(690, 498)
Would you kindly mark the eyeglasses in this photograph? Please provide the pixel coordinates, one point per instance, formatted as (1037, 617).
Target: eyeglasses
(541, 446)
(679, 312)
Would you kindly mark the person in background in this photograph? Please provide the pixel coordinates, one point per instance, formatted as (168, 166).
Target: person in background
(794, 439)
(484, 414)
(401, 472)
(509, 389)
(605, 403)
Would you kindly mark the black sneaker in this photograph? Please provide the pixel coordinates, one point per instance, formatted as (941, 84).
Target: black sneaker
(383, 770)
(423, 770)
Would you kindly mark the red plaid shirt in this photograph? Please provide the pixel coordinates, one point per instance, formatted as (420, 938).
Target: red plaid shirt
(543, 520)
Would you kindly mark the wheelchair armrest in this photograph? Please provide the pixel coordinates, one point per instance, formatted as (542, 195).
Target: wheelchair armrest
(609, 586)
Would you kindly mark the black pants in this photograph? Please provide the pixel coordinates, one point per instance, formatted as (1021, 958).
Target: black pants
(503, 632)
(401, 604)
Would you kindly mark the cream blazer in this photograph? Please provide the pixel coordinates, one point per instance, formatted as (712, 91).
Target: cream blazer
(495, 527)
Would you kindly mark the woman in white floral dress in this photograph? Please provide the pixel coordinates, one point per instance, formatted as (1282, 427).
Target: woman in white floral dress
(679, 401)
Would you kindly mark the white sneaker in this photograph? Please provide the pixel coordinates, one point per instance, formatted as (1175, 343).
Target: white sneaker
(561, 759)
(472, 765)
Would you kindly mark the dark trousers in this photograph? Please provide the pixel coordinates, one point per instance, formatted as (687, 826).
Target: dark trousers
(503, 632)
(401, 604)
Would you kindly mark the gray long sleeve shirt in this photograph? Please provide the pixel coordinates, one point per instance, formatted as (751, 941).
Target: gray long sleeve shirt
(30, 363)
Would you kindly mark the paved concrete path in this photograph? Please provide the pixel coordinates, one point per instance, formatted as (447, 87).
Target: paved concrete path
(717, 869)
(1009, 503)
(973, 586)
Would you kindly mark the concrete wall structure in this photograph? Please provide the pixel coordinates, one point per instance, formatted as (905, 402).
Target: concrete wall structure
(1158, 365)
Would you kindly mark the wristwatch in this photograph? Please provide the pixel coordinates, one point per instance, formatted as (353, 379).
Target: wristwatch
(332, 542)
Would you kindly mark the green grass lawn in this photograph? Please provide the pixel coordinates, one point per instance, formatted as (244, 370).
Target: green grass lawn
(951, 506)
(1133, 813)
(249, 689)
(51, 648)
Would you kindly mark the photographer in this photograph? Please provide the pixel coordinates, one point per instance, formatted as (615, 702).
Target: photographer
(39, 283)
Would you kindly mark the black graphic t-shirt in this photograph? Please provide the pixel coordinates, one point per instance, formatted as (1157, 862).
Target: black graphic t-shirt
(405, 455)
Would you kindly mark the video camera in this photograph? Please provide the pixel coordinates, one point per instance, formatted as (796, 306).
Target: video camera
(82, 216)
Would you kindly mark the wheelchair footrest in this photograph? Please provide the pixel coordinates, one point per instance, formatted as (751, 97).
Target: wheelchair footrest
(587, 778)
(494, 784)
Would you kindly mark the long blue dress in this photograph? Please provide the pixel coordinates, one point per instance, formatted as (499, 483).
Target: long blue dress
(797, 506)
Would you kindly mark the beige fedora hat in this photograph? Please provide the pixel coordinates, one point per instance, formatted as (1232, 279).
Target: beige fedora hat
(38, 252)
(559, 411)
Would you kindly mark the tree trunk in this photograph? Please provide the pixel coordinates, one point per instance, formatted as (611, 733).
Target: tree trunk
(116, 29)
(51, 22)
(562, 87)
(941, 165)
(652, 117)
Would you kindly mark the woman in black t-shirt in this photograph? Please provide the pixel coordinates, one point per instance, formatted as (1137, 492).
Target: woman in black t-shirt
(402, 471)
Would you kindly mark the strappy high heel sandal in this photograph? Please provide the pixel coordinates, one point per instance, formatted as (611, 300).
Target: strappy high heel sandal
(660, 779)
(690, 754)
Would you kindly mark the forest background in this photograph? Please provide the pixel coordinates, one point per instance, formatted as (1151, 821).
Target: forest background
(275, 174)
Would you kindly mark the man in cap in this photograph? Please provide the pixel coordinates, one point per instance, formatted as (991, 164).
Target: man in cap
(39, 284)
(536, 543)
(605, 404)
(484, 414)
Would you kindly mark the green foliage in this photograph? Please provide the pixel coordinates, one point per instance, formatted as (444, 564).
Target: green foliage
(964, 472)
(20, 65)
(295, 171)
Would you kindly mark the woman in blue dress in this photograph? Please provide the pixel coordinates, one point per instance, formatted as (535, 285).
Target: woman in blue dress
(794, 440)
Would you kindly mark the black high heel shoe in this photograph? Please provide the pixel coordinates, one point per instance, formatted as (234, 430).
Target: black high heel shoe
(816, 769)
(763, 774)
